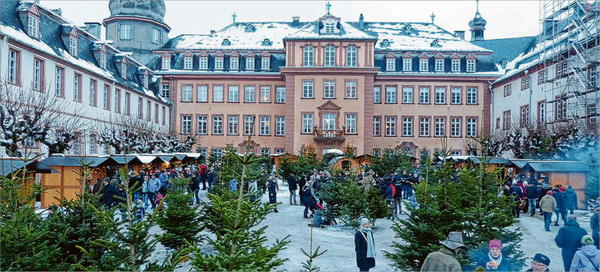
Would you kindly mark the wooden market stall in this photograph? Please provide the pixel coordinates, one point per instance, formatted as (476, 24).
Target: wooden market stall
(67, 182)
(10, 166)
(132, 161)
(563, 173)
(284, 156)
(346, 164)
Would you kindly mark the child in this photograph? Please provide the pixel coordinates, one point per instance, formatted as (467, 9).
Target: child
(139, 210)
(159, 198)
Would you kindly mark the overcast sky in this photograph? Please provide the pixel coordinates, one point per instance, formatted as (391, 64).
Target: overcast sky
(504, 18)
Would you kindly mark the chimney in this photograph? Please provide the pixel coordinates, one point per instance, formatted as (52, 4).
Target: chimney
(212, 32)
(361, 22)
(93, 28)
(460, 34)
(296, 21)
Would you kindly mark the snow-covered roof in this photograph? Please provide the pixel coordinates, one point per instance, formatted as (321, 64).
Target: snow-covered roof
(348, 31)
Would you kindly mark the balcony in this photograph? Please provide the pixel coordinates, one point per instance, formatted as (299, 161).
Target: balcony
(329, 136)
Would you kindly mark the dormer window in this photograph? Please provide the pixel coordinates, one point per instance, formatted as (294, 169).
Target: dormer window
(102, 61)
(455, 65)
(234, 62)
(156, 36)
(250, 62)
(470, 65)
(267, 42)
(384, 43)
(390, 64)
(166, 63)
(124, 69)
(203, 61)
(33, 24)
(225, 42)
(73, 46)
(329, 28)
(187, 63)
(435, 43)
(265, 63)
(407, 63)
(145, 81)
(439, 65)
(250, 28)
(423, 64)
(219, 61)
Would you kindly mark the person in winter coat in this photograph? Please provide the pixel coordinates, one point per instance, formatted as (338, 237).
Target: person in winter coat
(108, 191)
(594, 225)
(293, 186)
(145, 192)
(154, 186)
(543, 189)
(210, 178)
(232, 185)
(539, 263)
(364, 245)
(569, 240)
(570, 199)
(390, 192)
(272, 187)
(196, 187)
(515, 195)
(587, 258)
(547, 205)
(531, 192)
(307, 200)
(494, 260)
(445, 258)
(560, 211)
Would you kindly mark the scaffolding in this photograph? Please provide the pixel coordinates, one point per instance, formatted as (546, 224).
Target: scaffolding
(568, 44)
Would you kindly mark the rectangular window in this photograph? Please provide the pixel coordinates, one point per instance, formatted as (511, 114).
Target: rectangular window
(249, 63)
(265, 63)
(424, 126)
(407, 95)
(524, 115)
(249, 94)
(127, 104)
(219, 63)
(455, 65)
(166, 91)
(507, 90)
(423, 95)
(440, 127)
(117, 100)
(166, 63)
(234, 94)
(280, 126)
(203, 63)
(38, 74)
(218, 93)
(280, 95)
(186, 93)
(329, 89)
(202, 125)
(455, 127)
(125, 32)
(14, 70)
(440, 95)
(217, 127)
(217, 152)
(328, 121)
(593, 76)
(471, 96)
(390, 94)
(471, 127)
(202, 93)
(542, 112)
(32, 27)
(187, 63)
(164, 115)
(407, 126)
(307, 89)
(350, 123)
(406, 64)
(59, 81)
(351, 89)
(248, 125)
(234, 63)
(265, 94)
(186, 124)
(439, 65)
(92, 145)
(376, 126)
(390, 64)
(232, 125)
(506, 123)
(156, 36)
(307, 123)
(265, 125)
(525, 82)
(148, 110)
(423, 65)
(390, 126)
(106, 97)
(102, 61)
(470, 65)
(140, 107)
(377, 94)
(264, 151)
(92, 97)
(455, 95)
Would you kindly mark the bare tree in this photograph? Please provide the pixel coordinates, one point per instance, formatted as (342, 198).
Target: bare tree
(38, 116)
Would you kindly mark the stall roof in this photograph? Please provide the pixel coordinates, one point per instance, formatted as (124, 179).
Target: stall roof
(10, 165)
(148, 158)
(518, 162)
(126, 159)
(166, 158)
(60, 160)
(558, 166)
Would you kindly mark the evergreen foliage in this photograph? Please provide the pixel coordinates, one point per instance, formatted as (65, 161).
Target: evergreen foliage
(389, 162)
(312, 255)
(180, 221)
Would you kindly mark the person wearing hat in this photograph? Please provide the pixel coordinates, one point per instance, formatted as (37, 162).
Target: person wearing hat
(494, 260)
(445, 258)
(539, 263)
(547, 205)
(587, 258)
(364, 245)
(569, 240)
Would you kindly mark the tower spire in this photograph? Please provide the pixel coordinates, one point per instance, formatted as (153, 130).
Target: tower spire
(432, 17)
(476, 6)
(233, 16)
(327, 6)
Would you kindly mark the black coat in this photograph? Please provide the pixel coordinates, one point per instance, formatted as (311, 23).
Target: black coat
(107, 195)
(360, 246)
(560, 199)
(570, 199)
(531, 191)
(292, 183)
(569, 239)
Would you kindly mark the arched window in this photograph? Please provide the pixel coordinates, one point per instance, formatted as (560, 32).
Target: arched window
(351, 56)
(307, 56)
(329, 56)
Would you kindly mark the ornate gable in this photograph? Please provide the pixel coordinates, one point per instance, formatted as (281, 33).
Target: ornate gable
(329, 105)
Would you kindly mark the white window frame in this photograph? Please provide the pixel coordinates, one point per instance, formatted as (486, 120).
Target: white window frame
(73, 46)
(423, 64)
(265, 125)
(439, 65)
(156, 36)
(455, 63)
(186, 124)
(424, 95)
(218, 63)
(248, 125)
(280, 95)
(249, 94)
(165, 91)
(166, 63)
(250, 63)
(76, 82)
(218, 95)
(350, 123)
(328, 121)
(37, 74)
(351, 90)
(234, 63)
(32, 26)
(105, 96)
(233, 125)
(308, 56)
(307, 123)
(390, 126)
(407, 64)
(471, 127)
(329, 28)
(329, 89)
(186, 93)
(471, 96)
(280, 126)
(391, 93)
(201, 93)
(265, 63)
(377, 95)
(92, 98)
(308, 89)
(58, 78)
(424, 126)
(440, 95)
(265, 94)
(329, 56)
(217, 125)
(455, 95)
(471, 65)
(187, 63)
(440, 125)
(390, 64)
(125, 32)
(376, 126)
(407, 126)
(407, 95)
(233, 93)
(351, 56)
(455, 127)
(203, 63)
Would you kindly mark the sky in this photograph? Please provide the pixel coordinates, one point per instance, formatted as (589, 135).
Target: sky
(504, 18)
